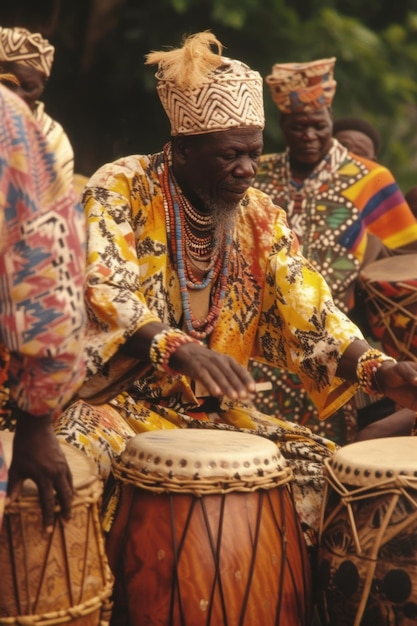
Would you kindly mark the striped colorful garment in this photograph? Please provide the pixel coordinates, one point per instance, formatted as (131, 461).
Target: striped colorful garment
(338, 213)
(41, 268)
(276, 307)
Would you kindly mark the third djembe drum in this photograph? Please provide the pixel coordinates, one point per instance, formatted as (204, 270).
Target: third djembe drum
(368, 535)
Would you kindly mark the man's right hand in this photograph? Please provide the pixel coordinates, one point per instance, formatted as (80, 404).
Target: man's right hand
(220, 374)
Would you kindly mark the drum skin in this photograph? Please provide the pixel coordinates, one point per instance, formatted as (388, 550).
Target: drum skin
(225, 559)
(59, 578)
(368, 538)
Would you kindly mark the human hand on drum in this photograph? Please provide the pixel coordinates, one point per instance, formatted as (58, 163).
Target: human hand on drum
(37, 455)
(174, 351)
(219, 373)
(398, 381)
(379, 374)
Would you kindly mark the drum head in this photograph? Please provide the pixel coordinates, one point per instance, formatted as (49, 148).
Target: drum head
(375, 461)
(83, 469)
(202, 457)
(392, 269)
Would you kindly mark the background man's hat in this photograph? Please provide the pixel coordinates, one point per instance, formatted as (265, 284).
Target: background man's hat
(299, 87)
(18, 45)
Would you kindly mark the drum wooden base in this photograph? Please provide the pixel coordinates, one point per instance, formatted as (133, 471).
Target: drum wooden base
(218, 560)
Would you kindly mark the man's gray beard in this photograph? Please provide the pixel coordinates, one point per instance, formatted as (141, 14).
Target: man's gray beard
(224, 219)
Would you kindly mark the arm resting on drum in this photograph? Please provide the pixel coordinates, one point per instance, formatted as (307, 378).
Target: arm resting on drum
(395, 380)
(399, 424)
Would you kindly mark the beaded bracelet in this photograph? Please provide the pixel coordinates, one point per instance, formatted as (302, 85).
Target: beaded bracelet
(163, 346)
(368, 364)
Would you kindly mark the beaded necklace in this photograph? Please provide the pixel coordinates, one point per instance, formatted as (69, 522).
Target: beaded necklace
(199, 221)
(202, 246)
(217, 269)
(202, 263)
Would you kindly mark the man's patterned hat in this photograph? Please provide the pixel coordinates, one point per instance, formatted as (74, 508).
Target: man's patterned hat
(299, 87)
(31, 49)
(203, 92)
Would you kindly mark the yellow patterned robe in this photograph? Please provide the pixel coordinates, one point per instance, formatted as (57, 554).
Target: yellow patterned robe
(277, 308)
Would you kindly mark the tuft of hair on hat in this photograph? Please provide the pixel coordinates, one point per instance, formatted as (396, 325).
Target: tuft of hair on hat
(362, 126)
(189, 65)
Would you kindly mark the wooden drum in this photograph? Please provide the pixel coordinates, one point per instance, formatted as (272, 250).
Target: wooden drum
(368, 535)
(207, 534)
(62, 578)
(390, 292)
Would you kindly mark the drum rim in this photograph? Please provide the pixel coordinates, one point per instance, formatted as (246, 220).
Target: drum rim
(162, 483)
(403, 261)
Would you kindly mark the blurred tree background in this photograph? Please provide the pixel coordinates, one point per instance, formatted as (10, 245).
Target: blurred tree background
(105, 97)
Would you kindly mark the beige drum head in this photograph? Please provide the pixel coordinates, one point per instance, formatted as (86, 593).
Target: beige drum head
(199, 456)
(374, 461)
(82, 468)
(392, 269)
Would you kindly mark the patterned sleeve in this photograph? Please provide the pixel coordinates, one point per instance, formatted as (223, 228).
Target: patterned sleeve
(116, 201)
(42, 264)
(301, 329)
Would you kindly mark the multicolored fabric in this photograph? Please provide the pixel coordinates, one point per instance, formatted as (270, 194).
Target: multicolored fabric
(334, 213)
(58, 141)
(269, 284)
(300, 87)
(21, 46)
(203, 92)
(276, 308)
(42, 260)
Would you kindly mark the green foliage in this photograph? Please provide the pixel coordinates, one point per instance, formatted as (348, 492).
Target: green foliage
(375, 44)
